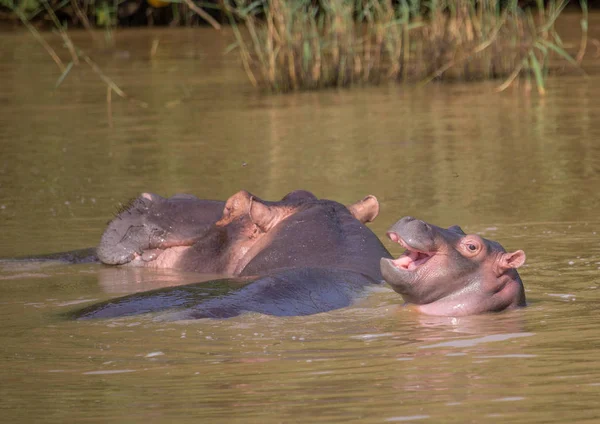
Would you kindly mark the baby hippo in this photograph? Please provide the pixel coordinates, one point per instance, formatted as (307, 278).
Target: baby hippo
(450, 273)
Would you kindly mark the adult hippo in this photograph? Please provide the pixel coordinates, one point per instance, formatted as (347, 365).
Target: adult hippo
(244, 235)
(297, 256)
(447, 272)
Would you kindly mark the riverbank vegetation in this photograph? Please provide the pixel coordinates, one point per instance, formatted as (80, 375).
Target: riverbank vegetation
(288, 45)
(299, 45)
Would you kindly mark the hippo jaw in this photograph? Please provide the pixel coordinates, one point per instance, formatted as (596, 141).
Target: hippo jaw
(405, 273)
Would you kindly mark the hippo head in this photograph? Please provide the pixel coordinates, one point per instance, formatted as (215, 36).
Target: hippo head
(254, 236)
(150, 224)
(448, 272)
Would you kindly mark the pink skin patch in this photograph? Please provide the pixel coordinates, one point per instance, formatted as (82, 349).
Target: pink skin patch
(159, 258)
(411, 259)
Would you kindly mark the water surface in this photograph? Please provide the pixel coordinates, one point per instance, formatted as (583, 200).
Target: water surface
(514, 167)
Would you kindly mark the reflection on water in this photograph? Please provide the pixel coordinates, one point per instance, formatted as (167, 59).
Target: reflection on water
(473, 342)
(117, 280)
(520, 169)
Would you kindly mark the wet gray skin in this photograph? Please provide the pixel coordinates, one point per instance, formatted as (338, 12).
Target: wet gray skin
(297, 256)
(243, 236)
(448, 272)
(150, 224)
(255, 236)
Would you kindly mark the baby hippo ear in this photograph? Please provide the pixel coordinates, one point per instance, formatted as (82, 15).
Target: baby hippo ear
(365, 210)
(512, 260)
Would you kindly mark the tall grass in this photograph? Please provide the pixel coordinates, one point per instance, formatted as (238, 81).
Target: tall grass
(299, 44)
(288, 45)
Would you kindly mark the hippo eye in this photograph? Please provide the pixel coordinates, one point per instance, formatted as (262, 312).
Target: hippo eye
(471, 246)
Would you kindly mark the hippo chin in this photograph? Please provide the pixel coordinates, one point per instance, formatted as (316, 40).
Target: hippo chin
(447, 272)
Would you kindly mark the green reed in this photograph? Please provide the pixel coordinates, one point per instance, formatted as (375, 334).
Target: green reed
(301, 44)
(309, 44)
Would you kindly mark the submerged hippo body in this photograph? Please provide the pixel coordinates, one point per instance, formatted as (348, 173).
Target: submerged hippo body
(297, 256)
(447, 272)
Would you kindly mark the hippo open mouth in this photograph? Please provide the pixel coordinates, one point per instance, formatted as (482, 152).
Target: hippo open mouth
(412, 258)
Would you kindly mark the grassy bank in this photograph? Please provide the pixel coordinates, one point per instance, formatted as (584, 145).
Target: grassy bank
(297, 45)
(288, 45)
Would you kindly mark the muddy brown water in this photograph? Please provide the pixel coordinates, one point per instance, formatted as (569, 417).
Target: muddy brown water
(521, 169)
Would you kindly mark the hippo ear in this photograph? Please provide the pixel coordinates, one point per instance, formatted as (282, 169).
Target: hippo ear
(365, 210)
(512, 260)
(457, 229)
(263, 216)
(237, 204)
